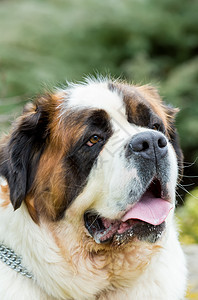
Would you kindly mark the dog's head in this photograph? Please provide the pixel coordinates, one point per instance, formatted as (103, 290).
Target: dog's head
(102, 156)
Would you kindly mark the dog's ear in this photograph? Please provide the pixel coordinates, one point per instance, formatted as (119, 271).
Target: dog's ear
(174, 137)
(20, 153)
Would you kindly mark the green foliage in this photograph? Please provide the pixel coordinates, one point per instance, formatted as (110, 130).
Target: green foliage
(49, 41)
(46, 41)
(188, 217)
(181, 88)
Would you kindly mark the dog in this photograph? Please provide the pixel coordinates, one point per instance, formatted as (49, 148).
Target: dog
(87, 197)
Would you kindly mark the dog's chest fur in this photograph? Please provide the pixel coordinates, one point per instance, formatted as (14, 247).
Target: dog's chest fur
(86, 276)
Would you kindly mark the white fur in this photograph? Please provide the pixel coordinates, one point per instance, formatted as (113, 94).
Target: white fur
(165, 277)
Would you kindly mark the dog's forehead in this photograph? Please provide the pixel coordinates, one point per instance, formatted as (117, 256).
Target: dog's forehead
(96, 95)
(123, 103)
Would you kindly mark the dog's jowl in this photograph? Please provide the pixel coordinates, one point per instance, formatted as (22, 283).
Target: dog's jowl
(87, 197)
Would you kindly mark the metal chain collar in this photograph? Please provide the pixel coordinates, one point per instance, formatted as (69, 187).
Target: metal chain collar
(11, 259)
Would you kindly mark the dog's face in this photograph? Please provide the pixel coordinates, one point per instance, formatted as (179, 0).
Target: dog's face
(102, 157)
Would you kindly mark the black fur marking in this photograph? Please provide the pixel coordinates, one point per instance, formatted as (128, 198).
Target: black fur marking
(142, 116)
(81, 157)
(20, 156)
(145, 117)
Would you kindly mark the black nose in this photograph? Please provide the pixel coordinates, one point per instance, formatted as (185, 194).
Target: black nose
(150, 145)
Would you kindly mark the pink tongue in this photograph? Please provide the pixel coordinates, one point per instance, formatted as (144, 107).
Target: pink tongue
(150, 210)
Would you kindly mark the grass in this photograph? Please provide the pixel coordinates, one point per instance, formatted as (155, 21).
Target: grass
(187, 218)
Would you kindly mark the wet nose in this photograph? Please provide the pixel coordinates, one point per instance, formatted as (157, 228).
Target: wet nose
(149, 145)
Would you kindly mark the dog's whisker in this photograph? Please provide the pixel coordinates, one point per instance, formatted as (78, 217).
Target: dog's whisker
(190, 184)
(185, 190)
(190, 176)
(179, 196)
(189, 164)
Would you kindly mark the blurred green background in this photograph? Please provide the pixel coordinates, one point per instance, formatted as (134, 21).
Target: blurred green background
(45, 42)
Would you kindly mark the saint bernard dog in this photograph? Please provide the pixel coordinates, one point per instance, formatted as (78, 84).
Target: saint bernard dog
(87, 197)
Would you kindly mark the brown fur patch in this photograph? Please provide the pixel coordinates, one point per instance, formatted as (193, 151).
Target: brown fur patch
(47, 196)
(4, 194)
(152, 97)
(54, 182)
(148, 96)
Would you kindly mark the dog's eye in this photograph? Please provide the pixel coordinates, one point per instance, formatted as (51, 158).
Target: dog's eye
(156, 126)
(93, 140)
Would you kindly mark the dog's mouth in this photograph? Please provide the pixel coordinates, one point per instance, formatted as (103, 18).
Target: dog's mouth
(144, 220)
